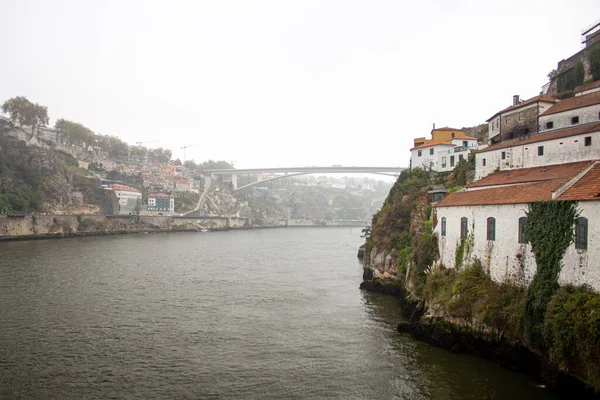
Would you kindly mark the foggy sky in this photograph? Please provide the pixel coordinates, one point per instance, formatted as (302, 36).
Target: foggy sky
(283, 83)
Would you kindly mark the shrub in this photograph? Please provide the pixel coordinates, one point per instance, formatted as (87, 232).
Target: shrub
(571, 331)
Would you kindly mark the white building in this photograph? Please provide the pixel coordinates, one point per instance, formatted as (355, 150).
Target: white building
(574, 111)
(491, 212)
(128, 197)
(442, 156)
(551, 148)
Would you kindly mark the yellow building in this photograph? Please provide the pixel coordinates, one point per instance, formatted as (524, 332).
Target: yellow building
(440, 135)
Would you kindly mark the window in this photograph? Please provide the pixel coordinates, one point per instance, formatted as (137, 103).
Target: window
(504, 155)
(498, 123)
(443, 162)
(483, 162)
(443, 226)
(521, 116)
(465, 143)
(419, 153)
(431, 151)
(522, 233)
(464, 227)
(493, 126)
(588, 141)
(507, 119)
(540, 150)
(549, 125)
(452, 161)
(460, 157)
(581, 233)
(453, 135)
(491, 228)
(575, 120)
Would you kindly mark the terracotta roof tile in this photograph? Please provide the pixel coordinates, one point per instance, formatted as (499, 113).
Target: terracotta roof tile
(589, 86)
(573, 103)
(430, 144)
(536, 174)
(562, 133)
(541, 97)
(514, 194)
(587, 188)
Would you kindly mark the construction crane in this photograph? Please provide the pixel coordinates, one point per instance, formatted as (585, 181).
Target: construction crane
(183, 148)
(139, 144)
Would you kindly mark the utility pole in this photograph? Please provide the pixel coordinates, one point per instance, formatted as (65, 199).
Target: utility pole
(183, 148)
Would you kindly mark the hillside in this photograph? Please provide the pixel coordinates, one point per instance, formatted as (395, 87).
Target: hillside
(37, 179)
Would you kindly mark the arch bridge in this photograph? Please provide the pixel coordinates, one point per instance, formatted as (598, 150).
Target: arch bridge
(296, 171)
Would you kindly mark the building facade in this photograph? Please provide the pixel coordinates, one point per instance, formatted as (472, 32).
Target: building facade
(519, 120)
(129, 197)
(491, 214)
(442, 156)
(551, 148)
(160, 202)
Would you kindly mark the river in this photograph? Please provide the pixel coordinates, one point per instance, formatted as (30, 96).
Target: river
(261, 314)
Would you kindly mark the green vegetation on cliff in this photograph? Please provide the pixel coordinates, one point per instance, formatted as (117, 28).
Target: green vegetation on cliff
(561, 324)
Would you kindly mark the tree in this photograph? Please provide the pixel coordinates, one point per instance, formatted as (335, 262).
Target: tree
(74, 132)
(24, 112)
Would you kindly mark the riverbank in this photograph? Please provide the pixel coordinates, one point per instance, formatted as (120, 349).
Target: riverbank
(38, 226)
(460, 338)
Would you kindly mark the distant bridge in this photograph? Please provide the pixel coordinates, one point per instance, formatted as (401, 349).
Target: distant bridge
(297, 171)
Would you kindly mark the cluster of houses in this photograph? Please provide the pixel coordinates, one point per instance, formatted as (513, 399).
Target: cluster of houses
(130, 198)
(539, 149)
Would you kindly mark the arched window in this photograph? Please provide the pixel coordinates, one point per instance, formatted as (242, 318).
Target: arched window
(464, 226)
(581, 233)
(443, 226)
(522, 233)
(491, 228)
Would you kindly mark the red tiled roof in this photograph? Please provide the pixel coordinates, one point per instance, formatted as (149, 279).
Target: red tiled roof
(123, 187)
(159, 195)
(573, 103)
(536, 174)
(541, 97)
(514, 194)
(587, 188)
(577, 130)
(430, 144)
(529, 185)
(589, 86)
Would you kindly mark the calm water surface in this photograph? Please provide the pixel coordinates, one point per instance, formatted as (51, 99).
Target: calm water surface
(265, 314)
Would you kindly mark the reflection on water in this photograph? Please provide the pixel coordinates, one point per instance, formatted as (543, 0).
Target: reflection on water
(249, 315)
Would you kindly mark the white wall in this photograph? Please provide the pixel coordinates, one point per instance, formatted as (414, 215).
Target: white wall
(507, 259)
(562, 120)
(426, 159)
(557, 151)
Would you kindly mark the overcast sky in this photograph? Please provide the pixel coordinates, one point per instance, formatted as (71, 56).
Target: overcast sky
(283, 83)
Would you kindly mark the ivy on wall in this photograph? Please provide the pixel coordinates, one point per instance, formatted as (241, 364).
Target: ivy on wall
(594, 59)
(549, 228)
(572, 78)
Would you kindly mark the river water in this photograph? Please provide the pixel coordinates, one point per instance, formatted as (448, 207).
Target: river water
(262, 314)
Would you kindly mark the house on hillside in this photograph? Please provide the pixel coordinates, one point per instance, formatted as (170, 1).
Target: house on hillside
(574, 111)
(550, 148)
(443, 151)
(160, 202)
(519, 120)
(128, 197)
(490, 214)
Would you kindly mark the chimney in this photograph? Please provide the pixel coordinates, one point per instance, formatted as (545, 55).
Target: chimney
(516, 99)
(434, 126)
